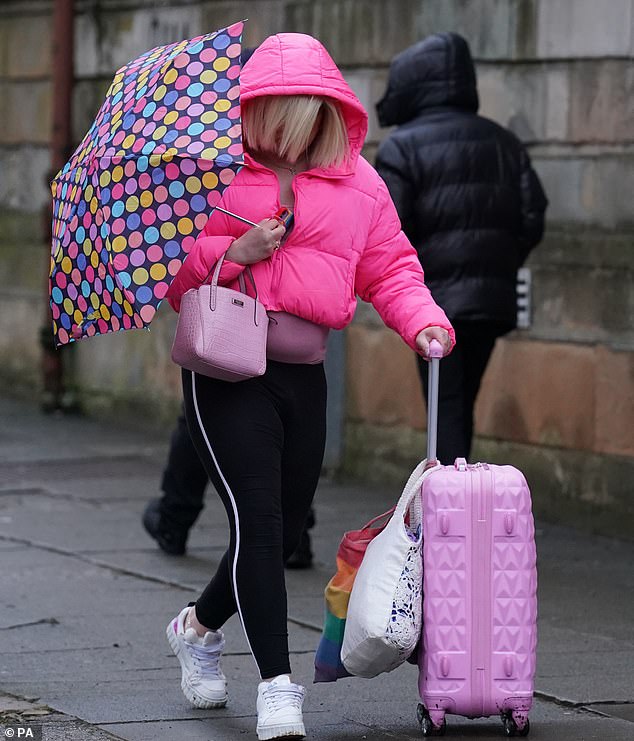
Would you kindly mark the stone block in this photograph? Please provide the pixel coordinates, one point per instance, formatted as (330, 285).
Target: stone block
(109, 37)
(23, 299)
(557, 95)
(577, 489)
(486, 25)
(576, 305)
(601, 101)
(573, 101)
(132, 367)
(23, 171)
(23, 269)
(25, 115)
(19, 228)
(583, 288)
(584, 28)
(21, 316)
(380, 454)
(26, 46)
(266, 20)
(358, 31)
(591, 187)
(606, 250)
(382, 381)
(516, 96)
(369, 86)
(539, 393)
(559, 395)
(615, 402)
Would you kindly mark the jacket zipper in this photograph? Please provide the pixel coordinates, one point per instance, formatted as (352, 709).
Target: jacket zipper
(277, 255)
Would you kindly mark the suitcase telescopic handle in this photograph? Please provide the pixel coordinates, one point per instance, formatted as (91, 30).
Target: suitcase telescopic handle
(435, 353)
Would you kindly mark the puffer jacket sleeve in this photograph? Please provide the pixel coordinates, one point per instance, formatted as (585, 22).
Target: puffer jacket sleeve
(214, 241)
(533, 206)
(389, 276)
(391, 166)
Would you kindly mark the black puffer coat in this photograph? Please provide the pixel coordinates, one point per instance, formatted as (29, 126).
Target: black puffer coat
(466, 193)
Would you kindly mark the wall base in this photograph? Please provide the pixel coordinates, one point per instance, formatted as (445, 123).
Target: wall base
(590, 492)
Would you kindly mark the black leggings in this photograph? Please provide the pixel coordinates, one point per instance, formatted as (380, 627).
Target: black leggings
(262, 444)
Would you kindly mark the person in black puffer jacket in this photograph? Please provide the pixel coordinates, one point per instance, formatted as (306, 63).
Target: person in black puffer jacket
(470, 203)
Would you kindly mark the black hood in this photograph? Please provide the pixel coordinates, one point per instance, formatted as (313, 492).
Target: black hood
(437, 71)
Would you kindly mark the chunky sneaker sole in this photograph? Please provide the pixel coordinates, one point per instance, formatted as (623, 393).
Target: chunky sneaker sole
(194, 697)
(295, 730)
(279, 707)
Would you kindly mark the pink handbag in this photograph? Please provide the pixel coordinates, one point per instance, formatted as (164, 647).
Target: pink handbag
(221, 333)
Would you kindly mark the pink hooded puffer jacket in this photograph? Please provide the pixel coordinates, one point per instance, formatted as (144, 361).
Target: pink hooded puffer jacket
(347, 238)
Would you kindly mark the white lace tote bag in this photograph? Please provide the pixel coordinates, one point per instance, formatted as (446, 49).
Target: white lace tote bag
(385, 610)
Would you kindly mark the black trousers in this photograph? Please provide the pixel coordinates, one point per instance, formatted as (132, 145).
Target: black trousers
(460, 376)
(262, 444)
(184, 480)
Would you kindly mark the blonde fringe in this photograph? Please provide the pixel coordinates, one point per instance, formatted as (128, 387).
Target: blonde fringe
(283, 125)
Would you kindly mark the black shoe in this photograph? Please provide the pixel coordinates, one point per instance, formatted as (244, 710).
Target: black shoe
(302, 558)
(170, 541)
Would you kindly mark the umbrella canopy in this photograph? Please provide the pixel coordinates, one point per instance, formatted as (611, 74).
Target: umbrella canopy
(128, 205)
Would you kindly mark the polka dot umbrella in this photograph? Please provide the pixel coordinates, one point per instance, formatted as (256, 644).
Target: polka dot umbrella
(128, 205)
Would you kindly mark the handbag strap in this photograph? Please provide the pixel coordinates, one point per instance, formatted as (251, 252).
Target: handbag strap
(215, 270)
(409, 500)
(241, 282)
(368, 525)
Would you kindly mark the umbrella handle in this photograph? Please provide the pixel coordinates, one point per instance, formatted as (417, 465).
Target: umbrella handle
(235, 216)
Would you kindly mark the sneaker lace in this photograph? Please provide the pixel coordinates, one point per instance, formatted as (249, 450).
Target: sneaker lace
(207, 660)
(284, 697)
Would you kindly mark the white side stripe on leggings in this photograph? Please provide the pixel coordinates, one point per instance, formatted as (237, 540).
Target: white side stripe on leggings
(234, 566)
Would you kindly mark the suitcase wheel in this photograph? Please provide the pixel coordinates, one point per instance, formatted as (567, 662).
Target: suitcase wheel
(427, 724)
(512, 729)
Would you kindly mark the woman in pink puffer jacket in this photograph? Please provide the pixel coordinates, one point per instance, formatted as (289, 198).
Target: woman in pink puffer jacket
(262, 440)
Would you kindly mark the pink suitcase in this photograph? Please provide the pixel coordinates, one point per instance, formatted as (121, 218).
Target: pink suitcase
(477, 650)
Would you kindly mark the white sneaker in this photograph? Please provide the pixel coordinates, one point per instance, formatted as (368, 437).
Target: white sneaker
(202, 682)
(280, 709)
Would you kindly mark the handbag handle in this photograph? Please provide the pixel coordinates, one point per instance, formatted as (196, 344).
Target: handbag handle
(214, 285)
(216, 274)
(389, 513)
(409, 501)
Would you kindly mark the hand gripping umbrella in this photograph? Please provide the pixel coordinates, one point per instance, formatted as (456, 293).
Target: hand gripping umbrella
(139, 188)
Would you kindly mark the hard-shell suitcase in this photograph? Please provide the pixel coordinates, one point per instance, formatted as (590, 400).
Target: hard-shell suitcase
(477, 649)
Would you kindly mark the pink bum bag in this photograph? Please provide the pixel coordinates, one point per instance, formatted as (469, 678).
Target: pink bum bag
(292, 339)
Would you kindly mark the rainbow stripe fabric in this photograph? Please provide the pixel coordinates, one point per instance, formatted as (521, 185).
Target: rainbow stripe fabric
(328, 665)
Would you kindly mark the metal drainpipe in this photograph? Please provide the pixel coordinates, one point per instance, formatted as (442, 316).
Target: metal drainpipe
(55, 396)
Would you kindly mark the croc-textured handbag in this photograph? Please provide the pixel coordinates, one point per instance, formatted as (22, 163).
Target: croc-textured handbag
(221, 332)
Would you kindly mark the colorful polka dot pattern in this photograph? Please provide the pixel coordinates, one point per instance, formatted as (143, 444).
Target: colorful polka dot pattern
(128, 205)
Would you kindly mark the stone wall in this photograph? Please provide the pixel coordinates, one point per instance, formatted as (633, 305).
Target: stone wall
(558, 397)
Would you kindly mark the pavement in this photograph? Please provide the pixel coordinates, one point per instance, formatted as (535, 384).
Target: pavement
(85, 596)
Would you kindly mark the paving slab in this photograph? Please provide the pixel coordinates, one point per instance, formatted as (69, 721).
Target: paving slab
(85, 596)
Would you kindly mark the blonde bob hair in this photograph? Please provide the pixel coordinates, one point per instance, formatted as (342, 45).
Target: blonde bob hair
(294, 126)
